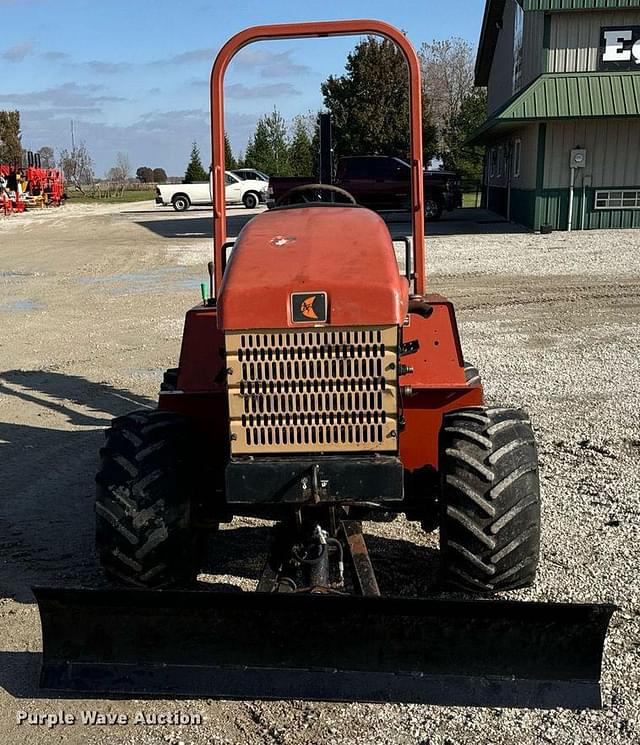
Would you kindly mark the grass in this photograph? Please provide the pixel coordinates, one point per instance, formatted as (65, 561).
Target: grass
(128, 196)
(471, 199)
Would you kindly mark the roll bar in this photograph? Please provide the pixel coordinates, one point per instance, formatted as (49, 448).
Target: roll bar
(310, 30)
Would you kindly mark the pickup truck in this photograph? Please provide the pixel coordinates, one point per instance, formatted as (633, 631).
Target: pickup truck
(249, 192)
(383, 183)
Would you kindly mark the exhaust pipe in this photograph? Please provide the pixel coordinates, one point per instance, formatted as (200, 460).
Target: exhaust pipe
(325, 648)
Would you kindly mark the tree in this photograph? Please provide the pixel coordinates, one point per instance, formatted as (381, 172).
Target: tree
(122, 169)
(369, 104)
(300, 155)
(159, 176)
(195, 171)
(144, 174)
(467, 160)
(77, 166)
(10, 145)
(447, 79)
(267, 150)
(229, 161)
(47, 159)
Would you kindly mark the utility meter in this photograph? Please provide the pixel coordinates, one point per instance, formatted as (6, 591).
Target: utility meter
(578, 158)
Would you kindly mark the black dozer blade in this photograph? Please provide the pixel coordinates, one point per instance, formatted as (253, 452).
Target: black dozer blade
(324, 648)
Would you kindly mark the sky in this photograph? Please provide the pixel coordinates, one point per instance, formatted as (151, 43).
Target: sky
(133, 74)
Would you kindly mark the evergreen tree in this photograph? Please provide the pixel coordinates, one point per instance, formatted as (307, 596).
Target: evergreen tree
(195, 171)
(267, 150)
(369, 104)
(10, 145)
(229, 161)
(300, 154)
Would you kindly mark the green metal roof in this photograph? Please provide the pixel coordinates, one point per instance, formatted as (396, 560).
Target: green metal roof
(578, 4)
(568, 96)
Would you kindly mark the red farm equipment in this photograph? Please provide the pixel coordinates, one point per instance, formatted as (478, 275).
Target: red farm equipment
(320, 386)
(30, 185)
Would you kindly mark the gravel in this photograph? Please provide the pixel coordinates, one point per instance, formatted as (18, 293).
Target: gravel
(552, 324)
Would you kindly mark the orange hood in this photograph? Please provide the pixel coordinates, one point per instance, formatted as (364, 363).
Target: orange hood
(285, 257)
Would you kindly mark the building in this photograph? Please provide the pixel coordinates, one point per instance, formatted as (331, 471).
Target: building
(563, 80)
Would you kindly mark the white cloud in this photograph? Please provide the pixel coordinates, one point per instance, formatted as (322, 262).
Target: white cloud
(18, 52)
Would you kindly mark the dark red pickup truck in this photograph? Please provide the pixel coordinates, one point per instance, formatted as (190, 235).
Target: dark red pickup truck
(382, 183)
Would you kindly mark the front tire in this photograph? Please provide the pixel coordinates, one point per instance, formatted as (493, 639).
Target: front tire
(181, 203)
(490, 500)
(144, 532)
(251, 200)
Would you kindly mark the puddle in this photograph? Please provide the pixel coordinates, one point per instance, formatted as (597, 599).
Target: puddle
(9, 273)
(153, 281)
(20, 305)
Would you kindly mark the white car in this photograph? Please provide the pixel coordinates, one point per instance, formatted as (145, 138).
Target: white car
(249, 192)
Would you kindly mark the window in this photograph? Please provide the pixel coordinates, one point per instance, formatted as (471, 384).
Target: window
(517, 156)
(229, 179)
(493, 162)
(518, 31)
(618, 200)
(500, 161)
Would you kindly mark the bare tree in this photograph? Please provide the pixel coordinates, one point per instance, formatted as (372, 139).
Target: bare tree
(47, 158)
(77, 166)
(122, 169)
(448, 77)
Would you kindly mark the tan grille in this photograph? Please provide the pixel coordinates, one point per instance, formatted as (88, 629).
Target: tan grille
(316, 390)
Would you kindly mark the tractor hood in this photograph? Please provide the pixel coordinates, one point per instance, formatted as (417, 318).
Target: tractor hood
(307, 266)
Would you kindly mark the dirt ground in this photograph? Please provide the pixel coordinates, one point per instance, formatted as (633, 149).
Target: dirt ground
(92, 301)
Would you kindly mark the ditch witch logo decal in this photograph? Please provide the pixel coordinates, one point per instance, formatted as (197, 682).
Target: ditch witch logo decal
(307, 307)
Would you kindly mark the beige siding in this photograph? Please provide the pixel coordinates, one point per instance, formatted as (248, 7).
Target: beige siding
(533, 52)
(528, 136)
(575, 37)
(613, 151)
(500, 87)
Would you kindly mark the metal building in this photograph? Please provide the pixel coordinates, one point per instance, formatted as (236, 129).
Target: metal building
(563, 127)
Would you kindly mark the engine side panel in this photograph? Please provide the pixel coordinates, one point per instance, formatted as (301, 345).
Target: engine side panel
(437, 382)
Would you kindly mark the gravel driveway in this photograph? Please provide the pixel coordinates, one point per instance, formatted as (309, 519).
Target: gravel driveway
(91, 307)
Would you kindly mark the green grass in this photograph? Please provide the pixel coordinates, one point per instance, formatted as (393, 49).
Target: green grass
(469, 200)
(128, 196)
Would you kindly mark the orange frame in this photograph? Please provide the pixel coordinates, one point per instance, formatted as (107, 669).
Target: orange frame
(310, 30)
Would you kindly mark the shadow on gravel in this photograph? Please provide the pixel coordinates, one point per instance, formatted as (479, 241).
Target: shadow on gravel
(463, 221)
(184, 226)
(46, 513)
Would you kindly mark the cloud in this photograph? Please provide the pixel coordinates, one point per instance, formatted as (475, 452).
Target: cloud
(106, 68)
(61, 96)
(157, 138)
(54, 56)
(195, 55)
(269, 64)
(239, 90)
(18, 52)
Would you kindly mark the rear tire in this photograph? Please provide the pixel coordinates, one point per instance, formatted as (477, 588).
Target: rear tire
(490, 500)
(251, 200)
(181, 203)
(144, 533)
(433, 209)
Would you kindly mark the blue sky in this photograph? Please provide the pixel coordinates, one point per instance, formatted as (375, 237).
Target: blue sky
(133, 74)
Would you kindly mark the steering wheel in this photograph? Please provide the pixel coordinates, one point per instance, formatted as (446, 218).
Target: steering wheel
(310, 193)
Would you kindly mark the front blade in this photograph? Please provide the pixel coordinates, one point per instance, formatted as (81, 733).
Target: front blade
(253, 645)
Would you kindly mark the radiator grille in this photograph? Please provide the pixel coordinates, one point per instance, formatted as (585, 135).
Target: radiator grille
(317, 390)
